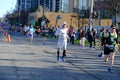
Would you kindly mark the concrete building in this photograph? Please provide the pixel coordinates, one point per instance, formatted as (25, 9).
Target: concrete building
(53, 5)
(24, 4)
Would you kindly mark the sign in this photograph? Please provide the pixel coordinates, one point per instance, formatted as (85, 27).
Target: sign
(58, 17)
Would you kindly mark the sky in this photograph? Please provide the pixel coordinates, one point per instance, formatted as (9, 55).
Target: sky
(6, 6)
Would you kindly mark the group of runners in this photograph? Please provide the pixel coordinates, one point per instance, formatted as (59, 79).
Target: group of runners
(109, 39)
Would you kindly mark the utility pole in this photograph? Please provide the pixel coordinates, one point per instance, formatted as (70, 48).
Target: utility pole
(91, 12)
(43, 9)
(19, 14)
(82, 13)
(38, 3)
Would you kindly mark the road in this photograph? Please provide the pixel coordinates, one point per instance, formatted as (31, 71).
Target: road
(20, 60)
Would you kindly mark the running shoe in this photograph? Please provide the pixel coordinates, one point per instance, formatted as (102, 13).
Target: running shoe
(63, 59)
(58, 59)
(110, 70)
(100, 55)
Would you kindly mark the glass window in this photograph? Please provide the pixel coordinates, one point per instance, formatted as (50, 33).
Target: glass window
(23, 6)
(28, 1)
(23, 1)
(28, 6)
(65, 5)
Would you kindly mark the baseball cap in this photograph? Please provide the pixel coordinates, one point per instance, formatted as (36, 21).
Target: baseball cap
(63, 23)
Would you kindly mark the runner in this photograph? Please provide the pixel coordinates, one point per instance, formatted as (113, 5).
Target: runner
(37, 30)
(25, 30)
(44, 33)
(102, 41)
(109, 46)
(30, 33)
(62, 40)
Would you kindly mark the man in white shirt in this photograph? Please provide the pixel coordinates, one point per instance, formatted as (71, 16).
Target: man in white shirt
(62, 40)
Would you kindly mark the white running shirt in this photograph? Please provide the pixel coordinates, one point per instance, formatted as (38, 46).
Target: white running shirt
(62, 34)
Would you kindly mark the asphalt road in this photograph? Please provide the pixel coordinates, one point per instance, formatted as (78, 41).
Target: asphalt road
(20, 60)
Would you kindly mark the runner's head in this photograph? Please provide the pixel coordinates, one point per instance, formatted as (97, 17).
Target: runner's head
(63, 24)
(31, 26)
(112, 28)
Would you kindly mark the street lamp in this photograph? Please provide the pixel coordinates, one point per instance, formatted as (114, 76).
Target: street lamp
(82, 13)
(71, 21)
(91, 12)
(82, 19)
(43, 9)
(19, 13)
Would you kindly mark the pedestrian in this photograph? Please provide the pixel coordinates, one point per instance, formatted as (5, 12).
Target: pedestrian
(82, 37)
(62, 40)
(73, 38)
(109, 46)
(94, 36)
(70, 32)
(90, 37)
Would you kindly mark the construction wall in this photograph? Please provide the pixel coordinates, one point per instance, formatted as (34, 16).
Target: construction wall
(67, 17)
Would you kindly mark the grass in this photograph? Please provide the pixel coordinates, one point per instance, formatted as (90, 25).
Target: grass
(118, 38)
(75, 41)
(78, 42)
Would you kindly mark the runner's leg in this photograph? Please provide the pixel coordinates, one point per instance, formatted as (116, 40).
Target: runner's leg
(112, 56)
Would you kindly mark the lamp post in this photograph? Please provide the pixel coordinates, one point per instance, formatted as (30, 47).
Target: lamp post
(43, 9)
(71, 21)
(19, 13)
(91, 12)
(82, 13)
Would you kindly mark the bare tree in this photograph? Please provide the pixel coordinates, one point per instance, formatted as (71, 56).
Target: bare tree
(115, 5)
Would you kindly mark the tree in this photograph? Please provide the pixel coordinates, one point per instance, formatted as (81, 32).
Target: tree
(38, 22)
(115, 5)
(23, 17)
(12, 17)
(15, 17)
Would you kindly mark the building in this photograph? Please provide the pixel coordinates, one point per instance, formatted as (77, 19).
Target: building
(24, 4)
(102, 11)
(53, 5)
(78, 5)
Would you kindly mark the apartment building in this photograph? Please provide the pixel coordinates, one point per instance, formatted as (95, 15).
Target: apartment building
(24, 4)
(54, 5)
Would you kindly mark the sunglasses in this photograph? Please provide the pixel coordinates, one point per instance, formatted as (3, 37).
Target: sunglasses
(113, 28)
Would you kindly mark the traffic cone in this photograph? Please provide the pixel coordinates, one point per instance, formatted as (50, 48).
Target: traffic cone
(8, 38)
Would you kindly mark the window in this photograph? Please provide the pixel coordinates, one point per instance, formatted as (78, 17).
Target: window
(23, 1)
(28, 1)
(23, 6)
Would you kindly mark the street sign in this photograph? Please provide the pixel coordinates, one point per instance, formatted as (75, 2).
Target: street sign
(58, 17)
